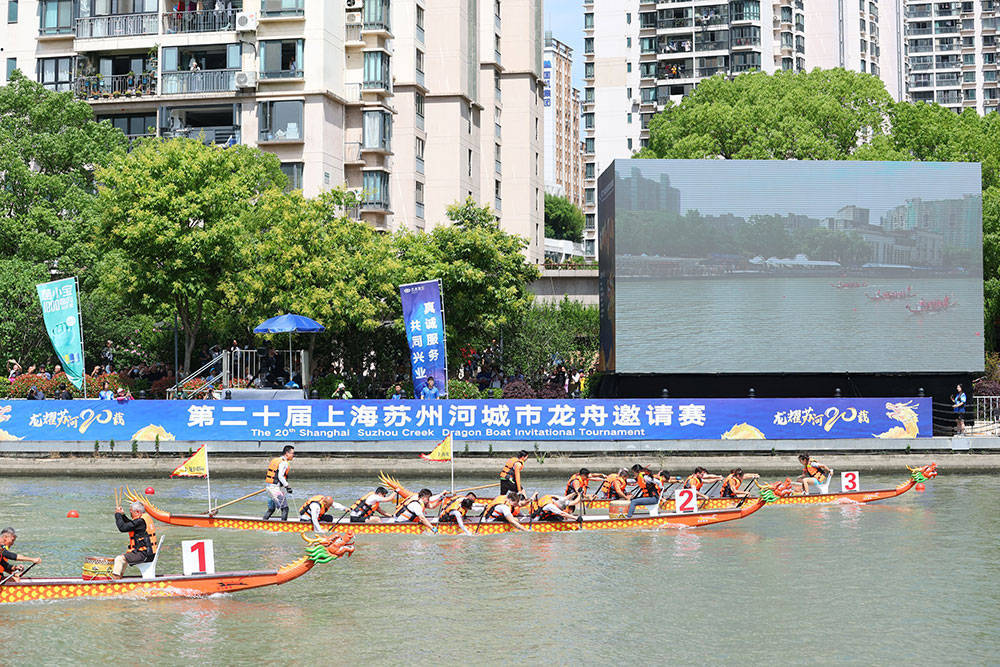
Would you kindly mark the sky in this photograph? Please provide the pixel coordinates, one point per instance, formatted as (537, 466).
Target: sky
(814, 188)
(565, 19)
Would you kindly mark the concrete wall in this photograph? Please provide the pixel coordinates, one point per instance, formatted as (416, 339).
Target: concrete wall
(577, 284)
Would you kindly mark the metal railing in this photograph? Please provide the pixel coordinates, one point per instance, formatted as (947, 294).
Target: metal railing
(282, 74)
(118, 25)
(352, 151)
(207, 20)
(352, 32)
(115, 86)
(199, 81)
(219, 134)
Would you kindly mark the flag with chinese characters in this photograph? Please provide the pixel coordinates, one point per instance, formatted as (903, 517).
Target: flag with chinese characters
(196, 466)
(442, 452)
(423, 316)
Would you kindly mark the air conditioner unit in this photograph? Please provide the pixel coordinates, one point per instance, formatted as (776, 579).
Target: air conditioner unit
(353, 3)
(246, 79)
(353, 18)
(246, 21)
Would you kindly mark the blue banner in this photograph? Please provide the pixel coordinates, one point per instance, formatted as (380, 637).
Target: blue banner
(423, 316)
(514, 420)
(61, 313)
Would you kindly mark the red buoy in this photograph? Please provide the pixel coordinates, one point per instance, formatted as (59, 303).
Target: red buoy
(72, 514)
(150, 490)
(919, 487)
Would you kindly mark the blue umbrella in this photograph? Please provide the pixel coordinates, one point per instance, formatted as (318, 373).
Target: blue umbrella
(289, 323)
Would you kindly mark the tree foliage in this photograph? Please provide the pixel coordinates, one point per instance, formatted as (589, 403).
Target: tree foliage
(563, 219)
(549, 335)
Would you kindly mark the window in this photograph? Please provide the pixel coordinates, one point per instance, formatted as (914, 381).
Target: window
(132, 126)
(589, 224)
(419, 60)
(281, 59)
(420, 23)
(588, 145)
(421, 145)
(420, 199)
(588, 21)
(628, 93)
(56, 17)
(990, 76)
(628, 118)
(588, 194)
(629, 146)
(588, 121)
(648, 95)
(293, 170)
(375, 186)
(628, 18)
(496, 195)
(628, 45)
(588, 70)
(647, 45)
(11, 66)
(748, 10)
(967, 59)
(496, 158)
(969, 77)
(282, 7)
(468, 162)
(280, 121)
(377, 130)
(588, 45)
(56, 73)
(376, 14)
(588, 170)
(588, 94)
(11, 11)
(376, 69)
(418, 101)
(746, 36)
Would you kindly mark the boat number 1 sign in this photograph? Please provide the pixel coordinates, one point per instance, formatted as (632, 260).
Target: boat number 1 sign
(850, 482)
(198, 557)
(685, 500)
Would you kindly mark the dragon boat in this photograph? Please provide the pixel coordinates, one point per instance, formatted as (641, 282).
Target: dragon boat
(917, 476)
(589, 523)
(319, 549)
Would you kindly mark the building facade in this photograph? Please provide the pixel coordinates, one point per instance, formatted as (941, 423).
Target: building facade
(563, 154)
(383, 96)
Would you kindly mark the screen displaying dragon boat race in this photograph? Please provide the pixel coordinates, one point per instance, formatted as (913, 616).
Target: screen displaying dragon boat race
(736, 266)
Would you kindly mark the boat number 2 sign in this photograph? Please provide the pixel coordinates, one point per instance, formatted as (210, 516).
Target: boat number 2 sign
(686, 500)
(198, 557)
(850, 482)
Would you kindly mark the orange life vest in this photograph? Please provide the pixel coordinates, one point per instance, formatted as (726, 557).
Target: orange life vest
(272, 470)
(454, 506)
(730, 485)
(615, 486)
(693, 482)
(646, 489)
(813, 470)
(508, 468)
(405, 511)
(144, 542)
(323, 505)
(491, 507)
(5, 565)
(577, 483)
(364, 508)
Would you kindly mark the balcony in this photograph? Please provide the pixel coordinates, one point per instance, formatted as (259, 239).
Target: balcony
(223, 135)
(201, 81)
(918, 31)
(710, 20)
(705, 72)
(667, 24)
(352, 32)
(282, 74)
(374, 202)
(920, 48)
(420, 165)
(352, 153)
(203, 21)
(420, 121)
(375, 85)
(675, 47)
(420, 78)
(118, 87)
(119, 25)
(745, 42)
(712, 46)
(914, 13)
(282, 8)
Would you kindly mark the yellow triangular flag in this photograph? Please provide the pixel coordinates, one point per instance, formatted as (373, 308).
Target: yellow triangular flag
(442, 452)
(196, 466)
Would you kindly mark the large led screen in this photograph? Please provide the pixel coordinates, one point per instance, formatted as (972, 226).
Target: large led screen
(737, 266)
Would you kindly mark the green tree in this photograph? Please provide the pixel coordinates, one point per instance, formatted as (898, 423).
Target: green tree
(549, 334)
(471, 215)
(563, 219)
(172, 222)
(22, 333)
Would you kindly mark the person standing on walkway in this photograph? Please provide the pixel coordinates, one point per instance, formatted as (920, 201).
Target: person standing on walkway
(276, 483)
(958, 405)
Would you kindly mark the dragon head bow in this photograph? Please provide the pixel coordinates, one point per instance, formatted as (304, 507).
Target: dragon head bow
(324, 548)
(771, 492)
(923, 474)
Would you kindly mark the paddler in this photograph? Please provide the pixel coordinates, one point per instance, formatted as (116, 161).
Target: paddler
(455, 511)
(502, 508)
(413, 508)
(141, 538)
(733, 481)
(579, 482)
(510, 474)
(813, 472)
(315, 510)
(697, 479)
(365, 507)
(276, 483)
(615, 484)
(551, 508)
(7, 557)
(647, 492)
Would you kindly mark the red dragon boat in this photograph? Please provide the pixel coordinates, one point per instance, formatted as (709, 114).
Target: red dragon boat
(319, 549)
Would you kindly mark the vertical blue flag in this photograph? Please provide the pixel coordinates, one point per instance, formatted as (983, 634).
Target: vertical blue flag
(423, 316)
(61, 313)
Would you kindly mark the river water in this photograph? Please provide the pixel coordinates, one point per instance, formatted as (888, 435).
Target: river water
(913, 578)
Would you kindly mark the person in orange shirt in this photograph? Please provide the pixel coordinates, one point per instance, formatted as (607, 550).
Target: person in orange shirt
(732, 483)
(698, 478)
(813, 472)
(510, 475)
(614, 485)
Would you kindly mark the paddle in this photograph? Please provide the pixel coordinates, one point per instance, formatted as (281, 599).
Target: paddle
(13, 574)
(215, 511)
(711, 487)
(473, 488)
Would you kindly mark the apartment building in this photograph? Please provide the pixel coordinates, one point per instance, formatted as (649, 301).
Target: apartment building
(952, 54)
(563, 154)
(384, 96)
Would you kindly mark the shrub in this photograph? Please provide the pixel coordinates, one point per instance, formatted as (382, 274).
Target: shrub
(493, 392)
(986, 388)
(4, 388)
(159, 388)
(552, 391)
(519, 389)
(407, 386)
(20, 385)
(460, 389)
(325, 386)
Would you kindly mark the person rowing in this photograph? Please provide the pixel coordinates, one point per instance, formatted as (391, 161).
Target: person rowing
(142, 542)
(813, 472)
(615, 484)
(276, 483)
(665, 479)
(733, 481)
(510, 474)
(8, 557)
(579, 482)
(551, 508)
(315, 510)
(412, 509)
(647, 492)
(698, 478)
(502, 508)
(456, 510)
(364, 508)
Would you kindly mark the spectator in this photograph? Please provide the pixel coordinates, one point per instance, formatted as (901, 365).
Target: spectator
(342, 392)
(429, 391)
(574, 385)
(97, 372)
(35, 394)
(108, 357)
(958, 405)
(397, 393)
(123, 395)
(13, 369)
(56, 370)
(106, 394)
(64, 394)
(44, 373)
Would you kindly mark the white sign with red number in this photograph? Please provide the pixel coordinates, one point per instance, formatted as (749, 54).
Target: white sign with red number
(198, 557)
(685, 500)
(850, 482)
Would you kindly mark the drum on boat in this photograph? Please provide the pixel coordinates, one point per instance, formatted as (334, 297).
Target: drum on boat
(617, 509)
(97, 568)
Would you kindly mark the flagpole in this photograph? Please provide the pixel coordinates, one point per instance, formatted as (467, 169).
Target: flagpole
(453, 466)
(208, 480)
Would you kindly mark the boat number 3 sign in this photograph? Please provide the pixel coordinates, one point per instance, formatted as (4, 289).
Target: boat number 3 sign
(686, 500)
(198, 557)
(850, 481)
